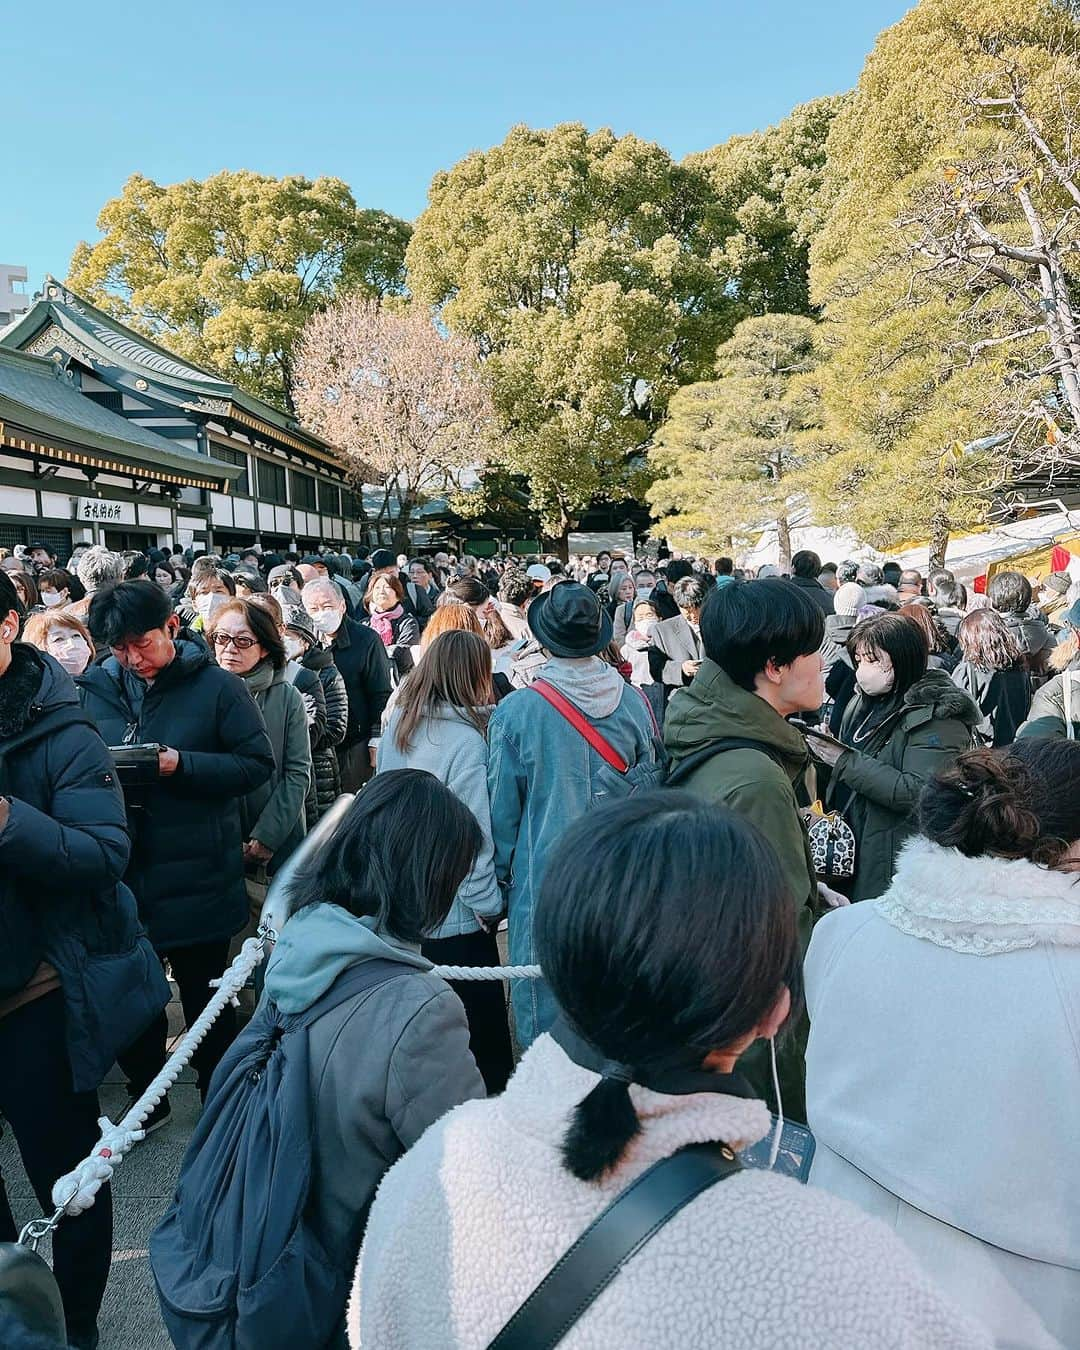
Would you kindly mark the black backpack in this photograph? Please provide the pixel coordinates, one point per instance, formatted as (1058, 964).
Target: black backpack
(236, 1262)
(685, 768)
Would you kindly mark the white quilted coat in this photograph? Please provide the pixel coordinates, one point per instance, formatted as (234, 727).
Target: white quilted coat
(472, 1218)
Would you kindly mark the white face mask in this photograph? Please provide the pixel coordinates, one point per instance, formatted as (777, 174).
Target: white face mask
(294, 647)
(51, 598)
(873, 681)
(643, 592)
(204, 604)
(73, 655)
(327, 621)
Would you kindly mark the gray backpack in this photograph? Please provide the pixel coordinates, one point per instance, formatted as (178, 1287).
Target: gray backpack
(236, 1262)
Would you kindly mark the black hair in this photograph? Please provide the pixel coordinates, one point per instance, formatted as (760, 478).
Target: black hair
(378, 864)
(1022, 801)
(465, 591)
(10, 599)
(891, 573)
(677, 569)
(1009, 592)
(135, 564)
(725, 567)
(691, 592)
(902, 641)
(251, 579)
(664, 603)
(806, 563)
(745, 627)
(127, 609)
(665, 930)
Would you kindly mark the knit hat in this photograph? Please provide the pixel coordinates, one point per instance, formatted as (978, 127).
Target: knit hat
(1058, 582)
(383, 557)
(849, 598)
(297, 618)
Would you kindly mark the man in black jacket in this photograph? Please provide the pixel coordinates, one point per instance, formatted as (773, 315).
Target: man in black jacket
(77, 977)
(805, 567)
(187, 866)
(361, 658)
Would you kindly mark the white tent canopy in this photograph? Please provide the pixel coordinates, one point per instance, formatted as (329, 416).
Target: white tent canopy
(970, 555)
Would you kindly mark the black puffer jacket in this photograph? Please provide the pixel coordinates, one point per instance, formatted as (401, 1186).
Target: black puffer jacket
(62, 855)
(309, 687)
(361, 658)
(320, 661)
(186, 867)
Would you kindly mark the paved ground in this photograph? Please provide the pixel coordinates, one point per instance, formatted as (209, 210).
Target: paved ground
(143, 1187)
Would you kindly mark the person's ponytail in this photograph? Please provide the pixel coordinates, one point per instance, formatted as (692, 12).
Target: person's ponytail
(603, 1124)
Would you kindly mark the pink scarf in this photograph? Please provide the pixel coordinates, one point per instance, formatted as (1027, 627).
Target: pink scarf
(383, 623)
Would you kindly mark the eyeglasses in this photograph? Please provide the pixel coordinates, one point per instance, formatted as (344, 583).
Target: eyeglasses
(240, 643)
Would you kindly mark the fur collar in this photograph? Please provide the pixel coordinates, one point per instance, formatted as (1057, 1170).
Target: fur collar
(936, 690)
(19, 688)
(981, 906)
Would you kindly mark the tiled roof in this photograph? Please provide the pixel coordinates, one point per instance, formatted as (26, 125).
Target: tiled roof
(33, 384)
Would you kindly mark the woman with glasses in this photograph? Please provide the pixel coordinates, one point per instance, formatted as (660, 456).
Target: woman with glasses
(246, 641)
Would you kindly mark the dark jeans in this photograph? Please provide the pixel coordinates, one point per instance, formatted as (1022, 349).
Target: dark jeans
(193, 968)
(484, 1000)
(55, 1128)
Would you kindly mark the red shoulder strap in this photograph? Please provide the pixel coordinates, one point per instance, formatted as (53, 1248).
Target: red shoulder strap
(581, 725)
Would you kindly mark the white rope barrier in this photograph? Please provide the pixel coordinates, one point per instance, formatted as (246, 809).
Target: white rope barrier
(488, 972)
(77, 1190)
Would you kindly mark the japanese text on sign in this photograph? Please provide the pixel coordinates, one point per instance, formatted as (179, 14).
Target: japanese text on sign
(91, 508)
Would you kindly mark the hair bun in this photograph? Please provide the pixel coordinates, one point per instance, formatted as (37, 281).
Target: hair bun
(994, 813)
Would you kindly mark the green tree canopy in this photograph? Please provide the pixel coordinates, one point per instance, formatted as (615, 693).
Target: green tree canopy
(946, 268)
(228, 270)
(766, 208)
(725, 457)
(580, 264)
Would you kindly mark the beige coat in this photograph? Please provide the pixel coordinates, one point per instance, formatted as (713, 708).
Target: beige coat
(680, 642)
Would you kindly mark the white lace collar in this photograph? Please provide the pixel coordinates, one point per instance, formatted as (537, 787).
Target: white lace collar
(981, 906)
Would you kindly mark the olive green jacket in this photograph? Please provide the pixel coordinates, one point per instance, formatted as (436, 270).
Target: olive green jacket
(751, 782)
(937, 723)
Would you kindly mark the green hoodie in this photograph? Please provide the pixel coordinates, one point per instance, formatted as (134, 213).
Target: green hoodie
(714, 708)
(752, 783)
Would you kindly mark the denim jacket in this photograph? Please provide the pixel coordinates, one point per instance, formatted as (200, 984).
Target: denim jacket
(543, 775)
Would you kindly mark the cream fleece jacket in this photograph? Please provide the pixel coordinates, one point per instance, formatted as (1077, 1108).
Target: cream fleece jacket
(473, 1217)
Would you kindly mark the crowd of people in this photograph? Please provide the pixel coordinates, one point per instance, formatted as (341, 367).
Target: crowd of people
(792, 845)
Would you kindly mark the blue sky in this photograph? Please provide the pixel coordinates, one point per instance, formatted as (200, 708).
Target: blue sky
(380, 95)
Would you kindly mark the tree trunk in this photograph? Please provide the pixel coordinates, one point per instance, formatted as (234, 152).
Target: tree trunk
(939, 540)
(1060, 320)
(783, 539)
(402, 542)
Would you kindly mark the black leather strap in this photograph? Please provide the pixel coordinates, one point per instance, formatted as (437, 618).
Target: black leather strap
(588, 1267)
